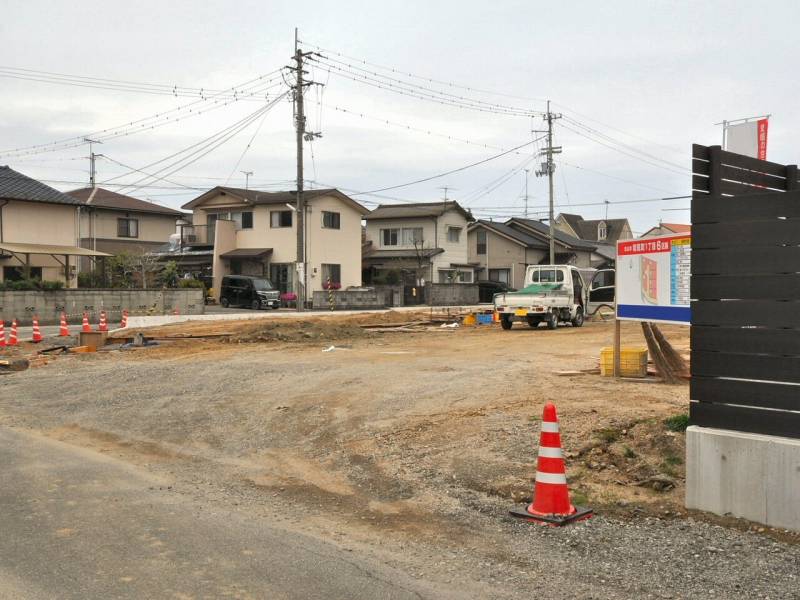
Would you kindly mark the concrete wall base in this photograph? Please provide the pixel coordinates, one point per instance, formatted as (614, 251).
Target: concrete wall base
(746, 475)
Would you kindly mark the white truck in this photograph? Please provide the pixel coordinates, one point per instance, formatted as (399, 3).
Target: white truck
(551, 294)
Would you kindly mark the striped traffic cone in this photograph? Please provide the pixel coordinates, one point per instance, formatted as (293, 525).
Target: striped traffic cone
(85, 327)
(551, 505)
(103, 323)
(63, 330)
(176, 312)
(12, 337)
(2, 334)
(37, 335)
(124, 322)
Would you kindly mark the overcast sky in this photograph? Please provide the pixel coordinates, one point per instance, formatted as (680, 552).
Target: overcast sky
(646, 78)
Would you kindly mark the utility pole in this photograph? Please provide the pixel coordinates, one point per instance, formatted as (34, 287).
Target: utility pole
(300, 127)
(246, 179)
(548, 168)
(92, 158)
(526, 192)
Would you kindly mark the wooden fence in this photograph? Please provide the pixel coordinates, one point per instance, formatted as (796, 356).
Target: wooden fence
(745, 286)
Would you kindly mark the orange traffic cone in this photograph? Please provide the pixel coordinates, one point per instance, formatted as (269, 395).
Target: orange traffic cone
(103, 323)
(37, 335)
(175, 312)
(551, 505)
(63, 331)
(124, 322)
(12, 338)
(85, 327)
(2, 334)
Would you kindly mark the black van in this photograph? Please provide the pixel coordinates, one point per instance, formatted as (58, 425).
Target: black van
(252, 292)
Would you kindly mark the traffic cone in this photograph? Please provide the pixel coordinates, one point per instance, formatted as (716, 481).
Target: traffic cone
(175, 312)
(2, 334)
(551, 505)
(85, 327)
(12, 338)
(37, 335)
(124, 322)
(103, 323)
(63, 331)
(495, 317)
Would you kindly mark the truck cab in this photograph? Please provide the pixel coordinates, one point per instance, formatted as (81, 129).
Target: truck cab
(551, 294)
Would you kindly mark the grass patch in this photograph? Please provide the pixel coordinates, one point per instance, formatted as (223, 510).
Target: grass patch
(677, 422)
(609, 435)
(628, 452)
(673, 460)
(578, 497)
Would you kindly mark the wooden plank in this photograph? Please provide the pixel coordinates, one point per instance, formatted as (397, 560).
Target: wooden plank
(753, 164)
(746, 313)
(742, 208)
(782, 396)
(753, 177)
(746, 366)
(700, 183)
(755, 287)
(746, 233)
(700, 167)
(732, 188)
(699, 151)
(747, 340)
(750, 420)
(747, 260)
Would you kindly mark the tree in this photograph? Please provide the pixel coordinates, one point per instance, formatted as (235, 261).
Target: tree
(422, 260)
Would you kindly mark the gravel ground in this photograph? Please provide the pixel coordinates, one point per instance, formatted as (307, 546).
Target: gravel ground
(412, 448)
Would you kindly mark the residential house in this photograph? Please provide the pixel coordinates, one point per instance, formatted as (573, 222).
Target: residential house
(423, 241)
(503, 251)
(250, 232)
(38, 231)
(116, 223)
(668, 229)
(604, 233)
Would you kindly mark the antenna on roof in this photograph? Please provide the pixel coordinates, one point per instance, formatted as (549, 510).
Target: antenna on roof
(246, 178)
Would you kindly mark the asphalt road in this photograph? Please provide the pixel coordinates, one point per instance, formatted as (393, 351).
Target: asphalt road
(76, 524)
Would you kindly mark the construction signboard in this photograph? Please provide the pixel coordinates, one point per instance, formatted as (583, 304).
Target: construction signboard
(653, 279)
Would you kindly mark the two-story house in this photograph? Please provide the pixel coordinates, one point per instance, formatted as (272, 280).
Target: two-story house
(250, 232)
(115, 223)
(39, 228)
(503, 251)
(423, 241)
(604, 233)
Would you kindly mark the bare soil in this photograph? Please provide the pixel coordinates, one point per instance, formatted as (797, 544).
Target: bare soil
(419, 439)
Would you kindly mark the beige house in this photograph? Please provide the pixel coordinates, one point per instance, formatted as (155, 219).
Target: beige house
(668, 229)
(115, 223)
(421, 240)
(38, 231)
(502, 251)
(249, 232)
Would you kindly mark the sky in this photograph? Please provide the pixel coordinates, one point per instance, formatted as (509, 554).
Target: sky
(635, 84)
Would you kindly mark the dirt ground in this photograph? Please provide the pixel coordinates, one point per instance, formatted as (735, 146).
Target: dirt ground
(415, 442)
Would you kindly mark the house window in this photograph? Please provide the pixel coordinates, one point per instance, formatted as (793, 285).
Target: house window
(128, 228)
(482, 241)
(241, 219)
(454, 276)
(602, 230)
(17, 273)
(389, 237)
(412, 235)
(280, 218)
(331, 220)
(453, 234)
(501, 275)
(332, 273)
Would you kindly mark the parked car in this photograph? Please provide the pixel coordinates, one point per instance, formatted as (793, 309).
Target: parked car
(252, 292)
(487, 289)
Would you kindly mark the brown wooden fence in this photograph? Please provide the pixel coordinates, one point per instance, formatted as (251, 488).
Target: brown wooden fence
(745, 332)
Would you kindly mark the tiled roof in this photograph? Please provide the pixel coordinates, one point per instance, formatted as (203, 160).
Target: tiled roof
(417, 209)
(16, 186)
(519, 236)
(260, 197)
(544, 230)
(108, 199)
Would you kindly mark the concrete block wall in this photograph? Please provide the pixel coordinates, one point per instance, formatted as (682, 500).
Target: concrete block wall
(48, 306)
(350, 299)
(451, 294)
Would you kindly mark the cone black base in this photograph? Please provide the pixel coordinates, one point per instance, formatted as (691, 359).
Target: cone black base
(581, 512)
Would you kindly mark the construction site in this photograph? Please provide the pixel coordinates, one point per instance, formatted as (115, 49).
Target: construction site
(409, 436)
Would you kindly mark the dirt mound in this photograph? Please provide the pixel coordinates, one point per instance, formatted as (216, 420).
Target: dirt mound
(296, 332)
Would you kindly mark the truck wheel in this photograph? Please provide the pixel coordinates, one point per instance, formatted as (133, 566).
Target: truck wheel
(224, 302)
(505, 322)
(578, 320)
(552, 321)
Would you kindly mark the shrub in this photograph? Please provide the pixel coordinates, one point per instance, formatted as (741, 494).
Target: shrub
(23, 285)
(677, 422)
(88, 279)
(190, 283)
(392, 277)
(51, 285)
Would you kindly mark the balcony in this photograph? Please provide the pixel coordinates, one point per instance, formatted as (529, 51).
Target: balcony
(196, 235)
